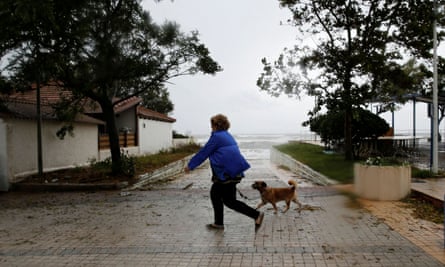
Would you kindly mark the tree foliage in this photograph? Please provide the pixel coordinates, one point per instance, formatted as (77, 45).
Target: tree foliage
(101, 50)
(351, 53)
(365, 125)
(157, 100)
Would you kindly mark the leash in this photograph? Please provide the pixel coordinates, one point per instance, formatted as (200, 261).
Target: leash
(241, 194)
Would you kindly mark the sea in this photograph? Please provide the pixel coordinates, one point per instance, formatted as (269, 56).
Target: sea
(257, 146)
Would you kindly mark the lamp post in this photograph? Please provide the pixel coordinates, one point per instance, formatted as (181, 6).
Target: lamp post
(434, 127)
(40, 53)
(39, 128)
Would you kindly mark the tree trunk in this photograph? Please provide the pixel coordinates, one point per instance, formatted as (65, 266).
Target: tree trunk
(348, 134)
(347, 84)
(113, 135)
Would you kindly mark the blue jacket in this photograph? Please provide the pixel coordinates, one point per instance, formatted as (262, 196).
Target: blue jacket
(224, 155)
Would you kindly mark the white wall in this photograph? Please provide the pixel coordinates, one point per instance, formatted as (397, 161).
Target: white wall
(126, 119)
(72, 151)
(177, 142)
(18, 146)
(154, 136)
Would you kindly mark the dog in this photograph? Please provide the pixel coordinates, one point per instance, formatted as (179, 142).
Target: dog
(274, 195)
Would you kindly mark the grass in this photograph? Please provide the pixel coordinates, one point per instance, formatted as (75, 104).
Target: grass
(149, 163)
(332, 165)
(337, 168)
(100, 171)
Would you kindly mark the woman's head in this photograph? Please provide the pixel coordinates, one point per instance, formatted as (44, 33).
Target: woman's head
(219, 123)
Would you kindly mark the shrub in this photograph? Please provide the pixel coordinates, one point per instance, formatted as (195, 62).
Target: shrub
(179, 135)
(380, 161)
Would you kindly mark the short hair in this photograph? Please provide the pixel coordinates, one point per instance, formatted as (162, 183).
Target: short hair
(220, 122)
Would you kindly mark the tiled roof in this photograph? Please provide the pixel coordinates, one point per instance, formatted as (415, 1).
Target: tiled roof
(49, 94)
(153, 115)
(141, 111)
(23, 105)
(24, 110)
(118, 108)
(126, 104)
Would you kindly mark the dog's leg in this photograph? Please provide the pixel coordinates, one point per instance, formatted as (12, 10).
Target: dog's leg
(297, 202)
(262, 203)
(287, 206)
(275, 208)
(300, 206)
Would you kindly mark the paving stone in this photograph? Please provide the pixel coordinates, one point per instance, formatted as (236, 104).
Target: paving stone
(165, 226)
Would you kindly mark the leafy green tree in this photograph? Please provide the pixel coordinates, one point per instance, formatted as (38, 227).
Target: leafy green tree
(31, 31)
(100, 50)
(157, 100)
(365, 125)
(356, 55)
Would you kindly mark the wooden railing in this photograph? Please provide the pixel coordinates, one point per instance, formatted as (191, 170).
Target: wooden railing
(125, 140)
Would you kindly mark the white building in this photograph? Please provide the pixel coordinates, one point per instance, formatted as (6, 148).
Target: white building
(142, 131)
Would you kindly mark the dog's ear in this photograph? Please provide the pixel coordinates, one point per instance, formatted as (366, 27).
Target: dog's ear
(263, 184)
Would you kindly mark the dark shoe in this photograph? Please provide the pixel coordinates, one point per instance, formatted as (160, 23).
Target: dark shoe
(215, 226)
(259, 220)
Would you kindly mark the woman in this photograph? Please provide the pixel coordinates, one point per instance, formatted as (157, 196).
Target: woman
(228, 166)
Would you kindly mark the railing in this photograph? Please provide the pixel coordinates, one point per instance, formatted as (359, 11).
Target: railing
(125, 140)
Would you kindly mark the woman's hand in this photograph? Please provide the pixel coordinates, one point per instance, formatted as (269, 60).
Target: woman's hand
(186, 169)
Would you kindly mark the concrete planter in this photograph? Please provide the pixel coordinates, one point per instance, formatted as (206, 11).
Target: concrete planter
(382, 182)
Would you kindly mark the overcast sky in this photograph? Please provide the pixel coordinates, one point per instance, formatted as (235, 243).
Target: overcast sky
(238, 34)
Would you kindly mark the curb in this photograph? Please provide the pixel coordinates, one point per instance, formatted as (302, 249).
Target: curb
(163, 173)
(65, 187)
(299, 168)
(160, 174)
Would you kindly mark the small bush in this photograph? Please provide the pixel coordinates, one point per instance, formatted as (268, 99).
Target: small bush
(128, 164)
(179, 135)
(103, 165)
(379, 161)
(422, 173)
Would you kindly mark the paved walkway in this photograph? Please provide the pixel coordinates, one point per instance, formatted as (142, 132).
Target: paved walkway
(165, 226)
(432, 187)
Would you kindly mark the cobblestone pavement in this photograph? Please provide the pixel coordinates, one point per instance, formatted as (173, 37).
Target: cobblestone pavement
(165, 226)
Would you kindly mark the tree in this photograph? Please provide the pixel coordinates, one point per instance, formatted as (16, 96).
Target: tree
(106, 51)
(31, 31)
(357, 56)
(365, 126)
(157, 100)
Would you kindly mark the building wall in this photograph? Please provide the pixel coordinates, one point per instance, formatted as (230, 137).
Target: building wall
(21, 138)
(18, 146)
(154, 136)
(126, 119)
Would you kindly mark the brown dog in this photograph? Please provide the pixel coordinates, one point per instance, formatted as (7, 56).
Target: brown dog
(274, 195)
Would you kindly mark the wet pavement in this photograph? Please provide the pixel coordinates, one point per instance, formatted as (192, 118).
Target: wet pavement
(165, 226)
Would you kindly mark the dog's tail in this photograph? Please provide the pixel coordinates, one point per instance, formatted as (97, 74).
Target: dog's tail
(292, 183)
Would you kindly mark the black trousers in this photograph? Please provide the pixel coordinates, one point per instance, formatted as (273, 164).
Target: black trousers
(225, 194)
